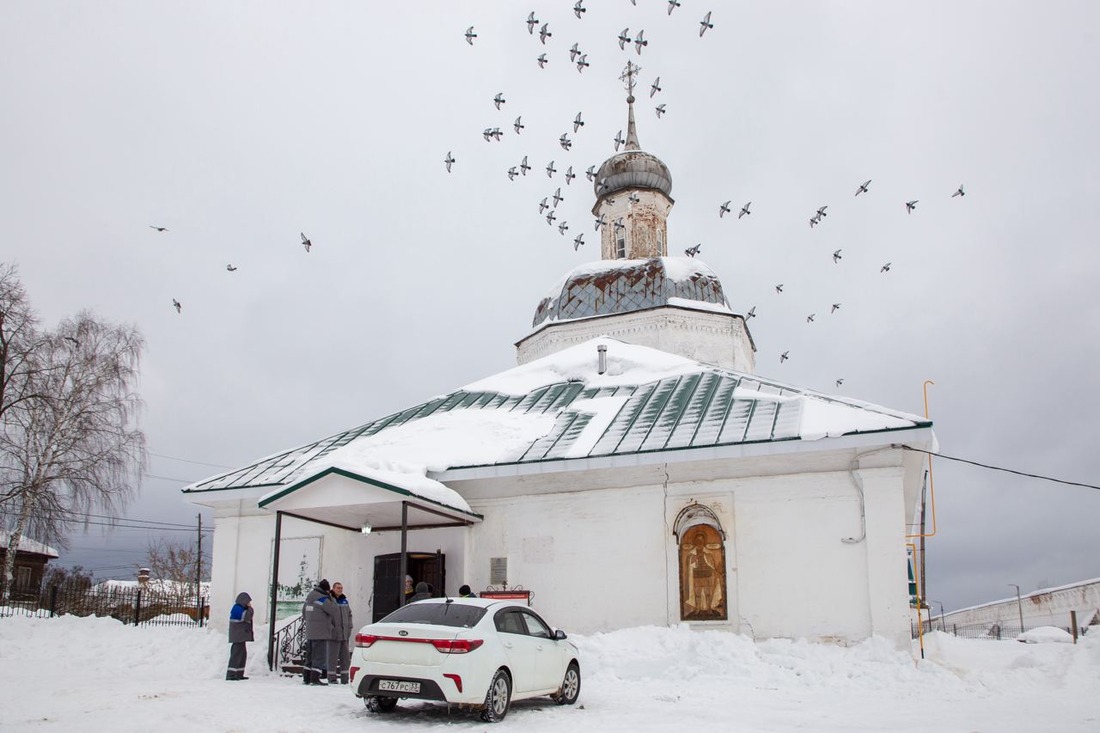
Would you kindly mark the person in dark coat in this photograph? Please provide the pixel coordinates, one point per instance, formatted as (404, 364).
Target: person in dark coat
(466, 592)
(340, 654)
(423, 590)
(319, 614)
(240, 631)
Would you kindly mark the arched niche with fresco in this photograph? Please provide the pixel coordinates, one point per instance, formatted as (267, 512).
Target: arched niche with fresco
(702, 553)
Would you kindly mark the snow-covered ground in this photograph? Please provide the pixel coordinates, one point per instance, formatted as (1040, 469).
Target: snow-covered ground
(70, 674)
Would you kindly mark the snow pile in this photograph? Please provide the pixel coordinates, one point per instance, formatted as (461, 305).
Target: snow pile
(121, 678)
(1046, 635)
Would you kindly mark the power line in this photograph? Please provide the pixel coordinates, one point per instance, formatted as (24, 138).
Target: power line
(999, 468)
(188, 460)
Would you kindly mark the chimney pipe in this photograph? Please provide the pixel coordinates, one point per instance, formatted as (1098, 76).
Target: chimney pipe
(602, 350)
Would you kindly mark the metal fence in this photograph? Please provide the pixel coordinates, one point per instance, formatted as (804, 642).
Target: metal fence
(137, 606)
(993, 631)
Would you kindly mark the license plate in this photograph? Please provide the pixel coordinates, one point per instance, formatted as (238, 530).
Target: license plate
(399, 686)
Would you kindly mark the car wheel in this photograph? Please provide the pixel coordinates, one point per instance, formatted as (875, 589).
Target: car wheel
(570, 686)
(497, 698)
(377, 704)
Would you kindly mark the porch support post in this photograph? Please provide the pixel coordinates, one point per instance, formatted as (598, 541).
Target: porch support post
(404, 550)
(274, 592)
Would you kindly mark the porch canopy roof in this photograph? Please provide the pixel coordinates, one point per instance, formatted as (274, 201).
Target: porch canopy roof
(383, 500)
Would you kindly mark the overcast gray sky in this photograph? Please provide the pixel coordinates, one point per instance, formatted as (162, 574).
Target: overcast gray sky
(238, 125)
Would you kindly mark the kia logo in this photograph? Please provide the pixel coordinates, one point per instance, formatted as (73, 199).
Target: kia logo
(402, 633)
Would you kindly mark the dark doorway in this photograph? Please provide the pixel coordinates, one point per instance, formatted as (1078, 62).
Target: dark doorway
(430, 567)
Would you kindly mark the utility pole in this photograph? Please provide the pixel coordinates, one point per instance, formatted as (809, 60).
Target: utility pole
(1019, 606)
(198, 574)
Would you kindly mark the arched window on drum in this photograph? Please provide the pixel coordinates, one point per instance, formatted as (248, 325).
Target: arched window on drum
(702, 551)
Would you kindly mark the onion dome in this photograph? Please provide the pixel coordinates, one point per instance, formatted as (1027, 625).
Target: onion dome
(632, 168)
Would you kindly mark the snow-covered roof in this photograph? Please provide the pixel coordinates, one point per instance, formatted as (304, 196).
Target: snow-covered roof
(26, 544)
(557, 408)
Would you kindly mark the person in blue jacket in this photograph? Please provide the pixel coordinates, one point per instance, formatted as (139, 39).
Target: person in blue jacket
(240, 631)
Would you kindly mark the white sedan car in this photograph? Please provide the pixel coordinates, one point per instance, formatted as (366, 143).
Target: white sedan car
(470, 651)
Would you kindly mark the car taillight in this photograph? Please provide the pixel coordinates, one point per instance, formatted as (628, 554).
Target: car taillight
(365, 640)
(354, 670)
(456, 646)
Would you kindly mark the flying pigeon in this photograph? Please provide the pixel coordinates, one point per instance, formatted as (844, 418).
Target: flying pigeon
(619, 223)
(230, 268)
(578, 9)
(885, 268)
(779, 288)
(836, 307)
(543, 206)
(655, 86)
(569, 175)
(600, 221)
(496, 134)
(550, 169)
(523, 167)
(839, 382)
(837, 257)
(177, 306)
(810, 318)
(550, 218)
(470, 35)
(532, 21)
(960, 192)
(499, 99)
(814, 221)
(660, 109)
(692, 251)
(672, 5)
(910, 205)
(487, 133)
(564, 141)
(544, 33)
(704, 24)
(448, 161)
(574, 52)
(558, 198)
(542, 60)
(821, 211)
(624, 38)
(512, 173)
(745, 210)
(582, 62)
(640, 41)
(578, 123)
(723, 209)
(563, 228)
(751, 313)
(305, 241)
(591, 173)
(619, 140)
(863, 187)
(578, 241)
(159, 229)
(518, 124)
(784, 356)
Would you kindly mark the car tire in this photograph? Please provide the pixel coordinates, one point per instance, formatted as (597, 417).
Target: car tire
(570, 686)
(377, 704)
(498, 698)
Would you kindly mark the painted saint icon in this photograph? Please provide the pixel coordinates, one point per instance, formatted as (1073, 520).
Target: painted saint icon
(702, 575)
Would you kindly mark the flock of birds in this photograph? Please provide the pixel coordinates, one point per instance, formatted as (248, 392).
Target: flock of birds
(548, 206)
(306, 243)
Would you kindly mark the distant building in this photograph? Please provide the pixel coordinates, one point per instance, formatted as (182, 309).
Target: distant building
(1044, 607)
(630, 471)
(30, 564)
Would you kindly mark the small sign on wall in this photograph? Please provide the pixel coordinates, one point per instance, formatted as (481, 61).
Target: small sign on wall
(520, 596)
(498, 571)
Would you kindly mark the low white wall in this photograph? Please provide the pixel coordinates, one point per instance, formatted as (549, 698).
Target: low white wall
(1046, 607)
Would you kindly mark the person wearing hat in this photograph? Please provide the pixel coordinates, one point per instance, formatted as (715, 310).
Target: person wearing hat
(240, 631)
(423, 590)
(466, 592)
(319, 614)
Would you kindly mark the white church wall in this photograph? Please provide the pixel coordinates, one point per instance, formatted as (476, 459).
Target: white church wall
(594, 561)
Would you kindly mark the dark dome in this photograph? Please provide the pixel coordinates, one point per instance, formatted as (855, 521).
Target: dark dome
(632, 169)
(623, 286)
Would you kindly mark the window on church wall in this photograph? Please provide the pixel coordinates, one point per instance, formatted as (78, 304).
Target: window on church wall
(620, 246)
(702, 574)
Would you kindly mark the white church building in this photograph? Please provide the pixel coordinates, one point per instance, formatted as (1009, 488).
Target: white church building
(630, 470)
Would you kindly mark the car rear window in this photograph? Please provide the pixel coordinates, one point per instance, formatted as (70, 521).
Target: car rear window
(437, 614)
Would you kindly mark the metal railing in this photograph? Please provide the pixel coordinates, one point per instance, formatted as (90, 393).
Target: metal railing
(993, 631)
(288, 651)
(136, 606)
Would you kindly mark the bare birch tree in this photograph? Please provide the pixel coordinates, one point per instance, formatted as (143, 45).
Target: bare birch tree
(69, 442)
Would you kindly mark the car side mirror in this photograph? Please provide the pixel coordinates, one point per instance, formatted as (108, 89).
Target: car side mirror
(559, 634)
